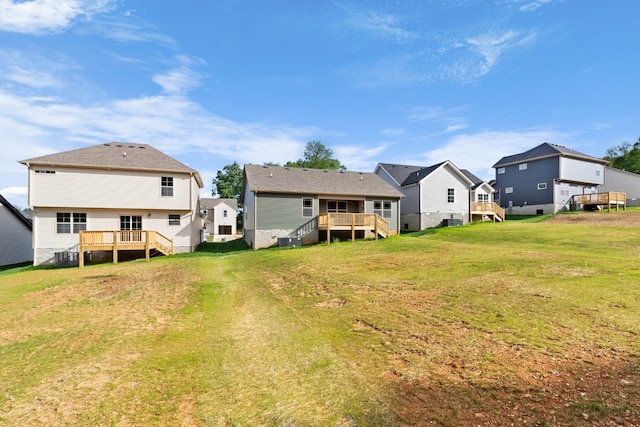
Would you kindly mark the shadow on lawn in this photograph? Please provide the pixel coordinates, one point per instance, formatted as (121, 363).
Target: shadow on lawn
(236, 245)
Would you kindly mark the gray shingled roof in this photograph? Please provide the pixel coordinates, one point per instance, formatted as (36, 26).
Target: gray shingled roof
(545, 150)
(276, 179)
(209, 203)
(400, 172)
(115, 155)
(407, 175)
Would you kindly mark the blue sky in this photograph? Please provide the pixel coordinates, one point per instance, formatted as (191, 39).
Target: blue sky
(210, 82)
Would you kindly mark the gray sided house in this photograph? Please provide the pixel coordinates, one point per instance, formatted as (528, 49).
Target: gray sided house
(434, 195)
(545, 179)
(15, 232)
(623, 181)
(305, 206)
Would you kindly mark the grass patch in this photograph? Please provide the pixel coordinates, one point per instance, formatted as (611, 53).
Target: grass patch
(534, 322)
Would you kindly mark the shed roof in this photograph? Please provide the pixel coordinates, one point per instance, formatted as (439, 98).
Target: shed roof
(546, 150)
(289, 180)
(115, 155)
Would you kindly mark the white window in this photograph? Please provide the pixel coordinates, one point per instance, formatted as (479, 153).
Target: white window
(508, 190)
(45, 171)
(500, 170)
(542, 186)
(483, 197)
(64, 222)
(307, 207)
(224, 214)
(522, 166)
(130, 222)
(166, 185)
(382, 208)
(174, 219)
(451, 195)
(79, 222)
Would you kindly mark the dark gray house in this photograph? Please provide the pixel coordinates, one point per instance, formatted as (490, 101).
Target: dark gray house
(294, 206)
(545, 178)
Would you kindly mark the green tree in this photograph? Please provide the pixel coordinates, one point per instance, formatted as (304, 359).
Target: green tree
(317, 156)
(625, 156)
(228, 182)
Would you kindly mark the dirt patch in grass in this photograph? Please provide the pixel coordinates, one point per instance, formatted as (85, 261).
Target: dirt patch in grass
(594, 386)
(630, 218)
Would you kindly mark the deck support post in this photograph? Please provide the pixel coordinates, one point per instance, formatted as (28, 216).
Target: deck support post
(81, 252)
(146, 245)
(353, 227)
(115, 247)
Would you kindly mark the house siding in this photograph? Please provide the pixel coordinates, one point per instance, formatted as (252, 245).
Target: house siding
(525, 183)
(434, 205)
(624, 182)
(78, 188)
(48, 242)
(581, 171)
(15, 244)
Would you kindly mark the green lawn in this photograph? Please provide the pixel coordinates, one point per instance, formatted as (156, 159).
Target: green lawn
(490, 324)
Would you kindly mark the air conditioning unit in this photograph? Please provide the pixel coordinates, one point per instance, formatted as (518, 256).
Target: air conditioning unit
(289, 242)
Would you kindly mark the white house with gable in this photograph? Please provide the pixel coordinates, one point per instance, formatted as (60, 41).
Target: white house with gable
(130, 192)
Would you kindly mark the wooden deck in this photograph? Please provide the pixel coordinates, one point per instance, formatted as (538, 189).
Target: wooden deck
(487, 210)
(602, 199)
(353, 221)
(123, 240)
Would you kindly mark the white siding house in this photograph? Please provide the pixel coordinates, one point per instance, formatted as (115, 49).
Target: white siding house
(220, 217)
(433, 195)
(15, 235)
(113, 186)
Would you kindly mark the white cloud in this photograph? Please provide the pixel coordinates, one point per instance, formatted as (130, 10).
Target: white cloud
(480, 151)
(382, 25)
(491, 46)
(448, 119)
(357, 158)
(173, 124)
(128, 28)
(46, 16)
(181, 79)
(31, 69)
(530, 7)
(393, 132)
